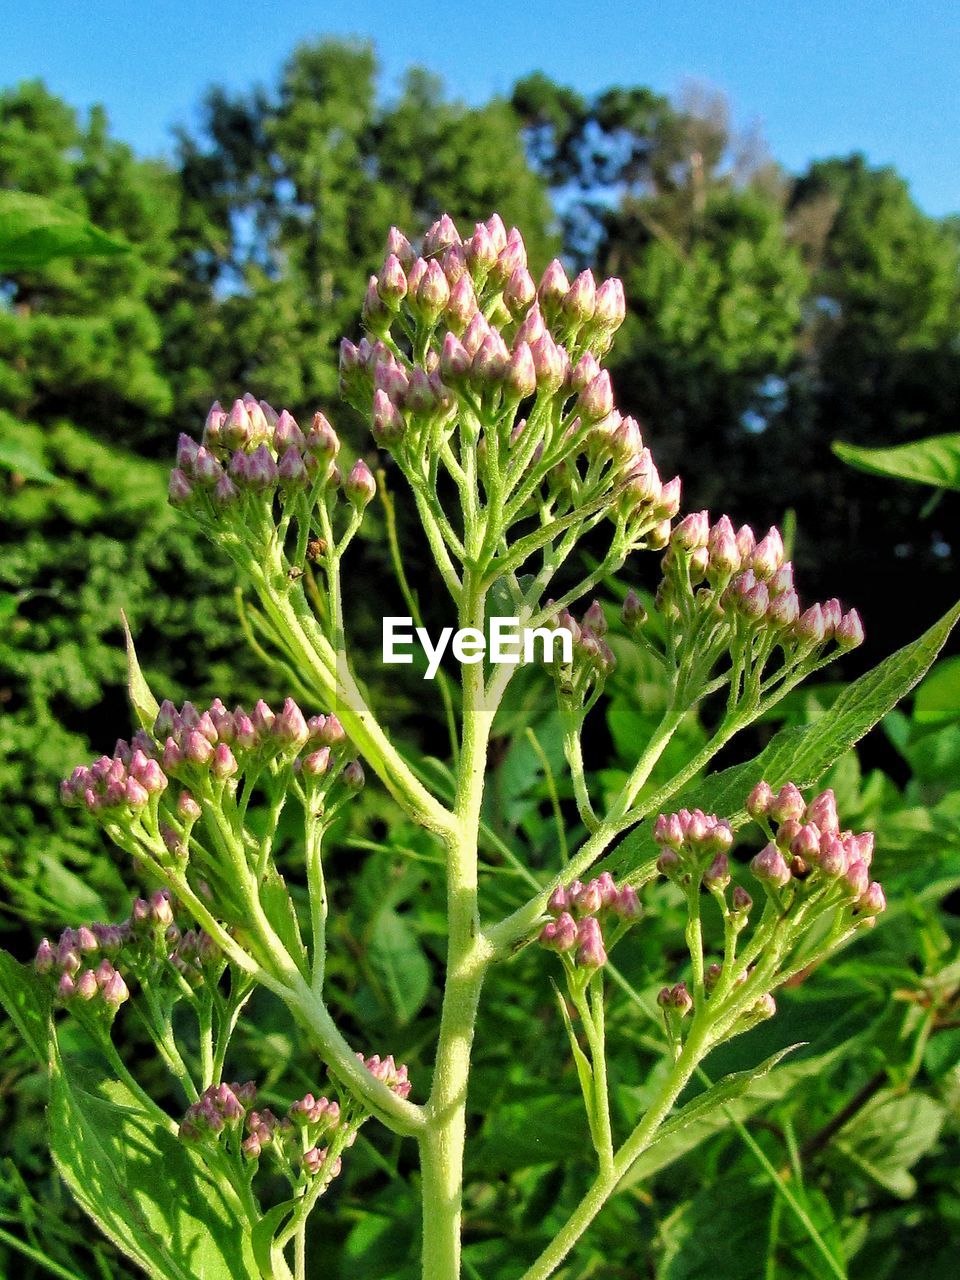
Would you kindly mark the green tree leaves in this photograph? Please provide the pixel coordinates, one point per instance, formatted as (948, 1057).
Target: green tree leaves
(34, 231)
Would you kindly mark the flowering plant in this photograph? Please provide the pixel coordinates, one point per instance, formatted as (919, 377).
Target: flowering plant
(487, 389)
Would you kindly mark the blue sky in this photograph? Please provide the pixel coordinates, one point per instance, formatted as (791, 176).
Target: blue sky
(821, 77)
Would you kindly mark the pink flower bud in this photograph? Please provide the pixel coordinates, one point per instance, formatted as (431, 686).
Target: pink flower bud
(224, 764)
(741, 900)
(768, 555)
(462, 306)
(491, 361)
(519, 291)
(724, 557)
(849, 634)
(292, 471)
(810, 625)
(784, 609)
(596, 400)
(440, 235)
(322, 441)
(213, 425)
(547, 362)
(627, 905)
(481, 252)
(237, 429)
(197, 749)
(399, 246)
(135, 794)
(806, 843)
(532, 328)
(287, 434)
(115, 991)
(554, 286)
(872, 901)
(822, 810)
(611, 306)
(392, 282)
(316, 764)
(668, 504)
(44, 959)
(353, 776)
(454, 361)
(591, 953)
(388, 424)
(782, 580)
(433, 292)
(832, 858)
(179, 490)
(788, 803)
(717, 874)
(770, 868)
(557, 902)
(521, 378)
(692, 532)
(85, 987)
(759, 800)
(580, 301)
(857, 878)
(360, 486)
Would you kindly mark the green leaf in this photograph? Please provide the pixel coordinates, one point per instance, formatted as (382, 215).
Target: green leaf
(802, 754)
(14, 457)
(890, 1136)
(34, 231)
(704, 1116)
(280, 911)
(26, 999)
(584, 1069)
(938, 697)
(145, 705)
(704, 1108)
(147, 1192)
(935, 460)
(400, 964)
(269, 1258)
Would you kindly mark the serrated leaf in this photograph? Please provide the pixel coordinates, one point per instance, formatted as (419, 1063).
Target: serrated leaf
(144, 704)
(14, 457)
(26, 999)
(400, 964)
(34, 231)
(802, 754)
(935, 460)
(147, 1192)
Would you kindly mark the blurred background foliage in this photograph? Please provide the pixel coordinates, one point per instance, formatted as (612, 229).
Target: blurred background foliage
(770, 314)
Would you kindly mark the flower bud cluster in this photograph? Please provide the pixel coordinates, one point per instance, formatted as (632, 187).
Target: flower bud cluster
(84, 966)
(94, 961)
(464, 331)
(808, 851)
(581, 912)
(393, 1075)
(249, 455)
(694, 848)
(205, 751)
(744, 589)
(220, 1109)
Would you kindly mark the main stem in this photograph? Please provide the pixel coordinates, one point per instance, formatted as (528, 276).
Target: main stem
(468, 954)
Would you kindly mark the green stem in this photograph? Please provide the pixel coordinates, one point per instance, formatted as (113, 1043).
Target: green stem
(442, 1142)
(607, 1181)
